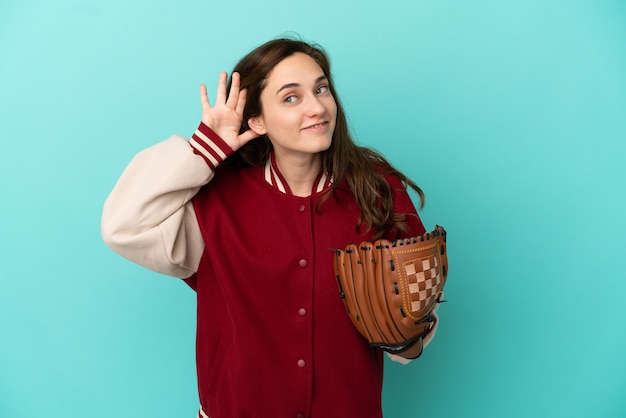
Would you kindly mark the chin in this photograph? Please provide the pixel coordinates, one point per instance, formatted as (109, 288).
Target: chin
(323, 145)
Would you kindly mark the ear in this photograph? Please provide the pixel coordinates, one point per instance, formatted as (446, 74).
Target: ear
(257, 125)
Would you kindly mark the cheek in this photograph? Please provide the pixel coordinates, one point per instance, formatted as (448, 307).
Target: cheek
(332, 107)
(280, 122)
(334, 113)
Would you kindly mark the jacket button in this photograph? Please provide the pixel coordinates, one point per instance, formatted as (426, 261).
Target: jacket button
(302, 312)
(301, 208)
(301, 363)
(302, 262)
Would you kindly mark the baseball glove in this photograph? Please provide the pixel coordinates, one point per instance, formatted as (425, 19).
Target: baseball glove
(390, 289)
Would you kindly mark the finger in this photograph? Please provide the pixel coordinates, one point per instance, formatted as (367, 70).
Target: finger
(241, 102)
(233, 96)
(221, 89)
(204, 98)
(247, 136)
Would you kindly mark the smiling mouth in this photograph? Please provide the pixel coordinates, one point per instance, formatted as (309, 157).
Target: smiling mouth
(316, 126)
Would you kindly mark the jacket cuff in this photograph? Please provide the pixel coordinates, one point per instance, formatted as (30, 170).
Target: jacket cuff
(207, 144)
(399, 359)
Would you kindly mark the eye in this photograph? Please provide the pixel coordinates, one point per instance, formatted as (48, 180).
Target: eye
(290, 99)
(322, 90)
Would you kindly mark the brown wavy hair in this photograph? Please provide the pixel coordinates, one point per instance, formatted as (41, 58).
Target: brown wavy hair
(362, 169)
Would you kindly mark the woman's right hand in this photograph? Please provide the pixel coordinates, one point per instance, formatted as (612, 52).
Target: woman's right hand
(225, 117)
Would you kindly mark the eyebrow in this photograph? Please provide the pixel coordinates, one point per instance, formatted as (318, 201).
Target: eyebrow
(292, 85)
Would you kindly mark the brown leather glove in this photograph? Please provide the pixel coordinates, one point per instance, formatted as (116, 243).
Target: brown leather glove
(390, 289)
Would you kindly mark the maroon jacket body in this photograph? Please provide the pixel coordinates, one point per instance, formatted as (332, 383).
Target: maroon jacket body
(273, 337)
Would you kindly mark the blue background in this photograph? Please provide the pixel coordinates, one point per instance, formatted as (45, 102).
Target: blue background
(510, 115)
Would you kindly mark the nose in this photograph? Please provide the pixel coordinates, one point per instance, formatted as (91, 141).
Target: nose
(315, 107)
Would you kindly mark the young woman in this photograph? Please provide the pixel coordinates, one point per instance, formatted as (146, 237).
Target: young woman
(246, 212)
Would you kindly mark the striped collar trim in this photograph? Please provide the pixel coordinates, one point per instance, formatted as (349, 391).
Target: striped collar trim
(274, 178)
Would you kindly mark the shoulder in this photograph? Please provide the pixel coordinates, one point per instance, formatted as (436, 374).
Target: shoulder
(394, 181)
(230, 182)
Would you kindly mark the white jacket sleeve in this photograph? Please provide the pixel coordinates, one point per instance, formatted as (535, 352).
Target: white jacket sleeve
(148, 217)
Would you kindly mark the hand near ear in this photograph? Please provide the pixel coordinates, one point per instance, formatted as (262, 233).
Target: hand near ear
(225, 117)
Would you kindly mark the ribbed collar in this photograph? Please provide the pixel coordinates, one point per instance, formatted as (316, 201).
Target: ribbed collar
(274, 177)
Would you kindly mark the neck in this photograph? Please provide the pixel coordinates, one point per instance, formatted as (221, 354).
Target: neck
(300, 172)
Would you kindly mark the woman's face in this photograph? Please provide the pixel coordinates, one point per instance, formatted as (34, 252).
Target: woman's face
(299, 112)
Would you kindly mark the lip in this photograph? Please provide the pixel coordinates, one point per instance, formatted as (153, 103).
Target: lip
(319, 126)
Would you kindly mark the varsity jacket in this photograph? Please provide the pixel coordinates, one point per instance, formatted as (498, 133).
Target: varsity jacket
(273, 338)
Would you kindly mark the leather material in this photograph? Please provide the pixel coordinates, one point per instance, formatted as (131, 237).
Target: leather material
(391, 288)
